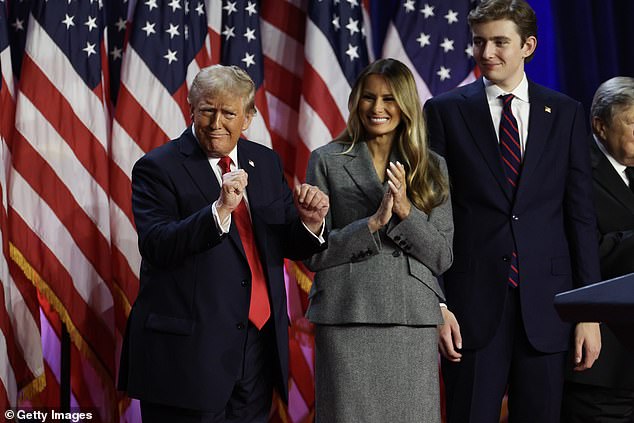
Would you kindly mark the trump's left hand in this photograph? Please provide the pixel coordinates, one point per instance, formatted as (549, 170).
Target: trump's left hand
(312, 205)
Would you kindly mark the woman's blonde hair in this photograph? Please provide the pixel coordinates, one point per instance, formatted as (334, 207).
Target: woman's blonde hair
(427, 187)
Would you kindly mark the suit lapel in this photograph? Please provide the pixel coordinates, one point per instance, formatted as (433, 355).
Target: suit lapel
(361, 171)
(476, 114)
(605, 175)
(539, 125)
(197, 165)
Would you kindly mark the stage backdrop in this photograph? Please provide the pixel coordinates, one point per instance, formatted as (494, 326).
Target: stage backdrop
(88, 86)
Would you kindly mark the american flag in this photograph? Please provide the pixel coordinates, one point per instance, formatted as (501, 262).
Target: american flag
(59, 184)
(432, 37)
(69, 203)
(21, 365)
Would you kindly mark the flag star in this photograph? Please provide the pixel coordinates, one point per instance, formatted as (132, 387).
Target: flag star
(228, 32)
(352, 52)
(170, 56)
(200, 9)
(68, 21)
(173, 31)
(18, 24)
(230, 7)
(336, 2)
(423, 39)
(251, 9)
(249, 34)
(116, 53)
(409, 6)
(186, 32)
(248, 59)
(174, 4)
(91, 23)
(186, 7)
(451, 16)
(335, 22)
(447, 44)
(151, 4)
(353, 3)
(427, 10)
(444, 73)
(121, 24)
(89, 49)
(469, 50)
(148, 28)
(353, 26)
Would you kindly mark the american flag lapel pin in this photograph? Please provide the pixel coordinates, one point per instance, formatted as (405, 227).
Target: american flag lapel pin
(251, 163)
(547, 109)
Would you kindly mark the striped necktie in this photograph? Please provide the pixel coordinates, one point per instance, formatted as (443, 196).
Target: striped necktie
(512, 161)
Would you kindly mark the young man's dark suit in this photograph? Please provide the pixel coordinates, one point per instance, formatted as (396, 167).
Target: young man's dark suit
(551, 220)
(186, 332)
(614, 369)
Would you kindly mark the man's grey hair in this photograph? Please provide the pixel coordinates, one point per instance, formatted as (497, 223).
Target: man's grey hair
(224, 79)
(612, 95)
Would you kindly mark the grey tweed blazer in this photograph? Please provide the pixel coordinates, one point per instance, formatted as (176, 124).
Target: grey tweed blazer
(384, 278)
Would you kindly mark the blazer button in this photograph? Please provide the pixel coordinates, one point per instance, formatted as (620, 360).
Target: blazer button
(368, 252)
(240, 326)
(397, 238)
(244, 284)
(506, 258)
(396, 253)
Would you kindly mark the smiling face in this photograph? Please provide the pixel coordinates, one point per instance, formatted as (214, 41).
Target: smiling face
(379, 112)
(499, 52)
(219, 119)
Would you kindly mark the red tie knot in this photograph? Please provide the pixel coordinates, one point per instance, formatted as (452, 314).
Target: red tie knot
(225, 164)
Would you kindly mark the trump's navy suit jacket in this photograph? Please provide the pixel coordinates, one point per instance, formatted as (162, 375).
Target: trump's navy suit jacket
(187, 328)
(551, 219)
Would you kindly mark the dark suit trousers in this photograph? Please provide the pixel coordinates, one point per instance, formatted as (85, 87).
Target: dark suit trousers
(590, 404)
(250, 401)
(475, 387)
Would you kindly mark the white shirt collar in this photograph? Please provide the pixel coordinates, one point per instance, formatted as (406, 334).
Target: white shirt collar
(493, 91)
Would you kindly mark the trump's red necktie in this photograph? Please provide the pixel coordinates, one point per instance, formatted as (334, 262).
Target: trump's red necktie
(512, 161)
(259, 309)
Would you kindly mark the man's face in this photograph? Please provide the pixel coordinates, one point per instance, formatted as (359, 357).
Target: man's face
(219, 119)
(618, 136)
(499, 52)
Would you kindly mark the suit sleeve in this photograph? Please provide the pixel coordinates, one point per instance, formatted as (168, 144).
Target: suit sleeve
(166, 239)
(429, 236)
(579, 207)
(345, 244)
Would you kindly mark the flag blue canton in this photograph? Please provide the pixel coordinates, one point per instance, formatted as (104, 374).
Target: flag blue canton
(116, 14)
(341, 21)
(437, 40)
(167, 35)
(4, 37)
(76, 26)
(18, 21)
(241, 37)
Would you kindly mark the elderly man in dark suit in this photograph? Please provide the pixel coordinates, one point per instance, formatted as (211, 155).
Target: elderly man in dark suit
(606, 392)
(524, 226)
(207, 336)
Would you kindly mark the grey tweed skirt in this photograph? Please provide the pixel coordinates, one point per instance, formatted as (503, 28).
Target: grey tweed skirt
(376, 374)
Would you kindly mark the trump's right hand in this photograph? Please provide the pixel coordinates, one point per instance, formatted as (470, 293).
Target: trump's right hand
(231, 193)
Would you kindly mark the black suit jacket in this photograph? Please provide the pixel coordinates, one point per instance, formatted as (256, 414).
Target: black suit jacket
(551, 219)
(614, 203)
(185, 334)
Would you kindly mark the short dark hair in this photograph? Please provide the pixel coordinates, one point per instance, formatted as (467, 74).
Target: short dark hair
(517, 11)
